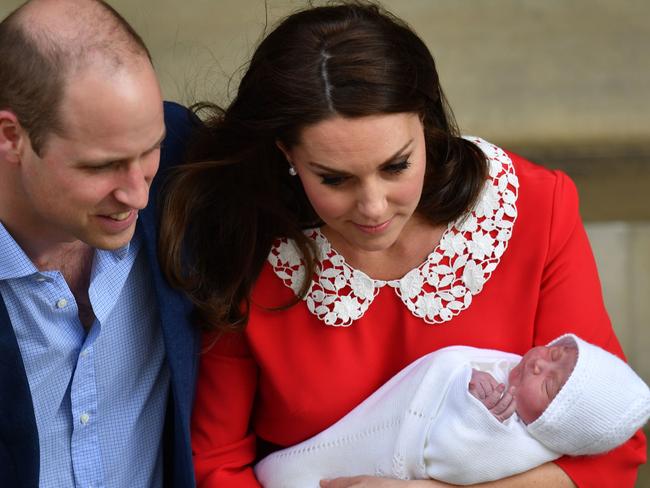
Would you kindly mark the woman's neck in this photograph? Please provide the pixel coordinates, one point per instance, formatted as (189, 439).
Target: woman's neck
(414, 244)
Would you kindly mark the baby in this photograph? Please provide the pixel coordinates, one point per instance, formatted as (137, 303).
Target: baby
(533, 383)
(449, 416)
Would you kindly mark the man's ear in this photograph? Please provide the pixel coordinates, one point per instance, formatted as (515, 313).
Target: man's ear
(11, 137)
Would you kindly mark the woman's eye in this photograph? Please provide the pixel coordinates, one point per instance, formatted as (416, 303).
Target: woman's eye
(397, 168)
(331, 180)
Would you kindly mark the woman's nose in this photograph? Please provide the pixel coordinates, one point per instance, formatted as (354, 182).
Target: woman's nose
(372, 202)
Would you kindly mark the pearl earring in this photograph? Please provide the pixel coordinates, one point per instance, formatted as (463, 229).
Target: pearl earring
(292, 170)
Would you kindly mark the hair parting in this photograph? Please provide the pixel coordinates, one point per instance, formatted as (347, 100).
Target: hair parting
(227, 207)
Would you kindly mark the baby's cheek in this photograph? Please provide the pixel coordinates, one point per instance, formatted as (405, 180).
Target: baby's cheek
(530, 404)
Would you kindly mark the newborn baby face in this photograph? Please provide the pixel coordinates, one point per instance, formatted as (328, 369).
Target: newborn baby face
(538, 378)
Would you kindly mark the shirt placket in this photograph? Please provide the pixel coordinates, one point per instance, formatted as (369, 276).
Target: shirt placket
(86, 458)
(84, 443)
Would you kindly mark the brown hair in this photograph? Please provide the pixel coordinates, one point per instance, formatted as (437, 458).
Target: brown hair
(35, 62)
(224, 211)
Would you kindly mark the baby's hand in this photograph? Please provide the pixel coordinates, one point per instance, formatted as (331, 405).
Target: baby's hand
(491, 394)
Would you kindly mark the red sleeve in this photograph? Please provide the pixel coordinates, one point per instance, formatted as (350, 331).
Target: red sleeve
(571, 300)
(223, 446)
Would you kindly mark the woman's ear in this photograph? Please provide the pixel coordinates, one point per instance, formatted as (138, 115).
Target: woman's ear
(11, 137)
(284, 150)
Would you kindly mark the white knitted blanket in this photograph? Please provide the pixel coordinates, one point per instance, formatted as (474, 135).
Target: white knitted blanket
(422, 424)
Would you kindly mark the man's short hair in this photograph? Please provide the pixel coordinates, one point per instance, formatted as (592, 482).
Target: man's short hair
(36, 61)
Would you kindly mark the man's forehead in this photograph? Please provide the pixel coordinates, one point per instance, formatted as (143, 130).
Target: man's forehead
(102, 87)
(107, 116)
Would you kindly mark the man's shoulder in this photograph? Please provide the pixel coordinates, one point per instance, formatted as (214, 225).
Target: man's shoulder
(179, 123)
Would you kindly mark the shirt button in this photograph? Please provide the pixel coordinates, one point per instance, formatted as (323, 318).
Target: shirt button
(84, 353)
(62, 303)
(40, 279)
(84, 418)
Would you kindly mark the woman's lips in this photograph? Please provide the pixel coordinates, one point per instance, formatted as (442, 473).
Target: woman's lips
(373, 229)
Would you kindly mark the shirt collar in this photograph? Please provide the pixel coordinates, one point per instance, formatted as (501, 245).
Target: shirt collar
(14, 263)
(121, 253)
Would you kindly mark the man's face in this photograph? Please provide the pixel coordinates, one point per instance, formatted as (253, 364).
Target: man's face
(91, 180)
(538, 378)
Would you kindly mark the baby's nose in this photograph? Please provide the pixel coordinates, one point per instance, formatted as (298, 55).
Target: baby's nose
(539, 365)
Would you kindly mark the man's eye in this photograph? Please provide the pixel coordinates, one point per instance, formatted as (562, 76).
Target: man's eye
(331, 180)
(397, 168)
(103, 167)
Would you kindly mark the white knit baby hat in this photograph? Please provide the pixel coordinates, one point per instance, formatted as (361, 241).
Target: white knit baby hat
(601, 405)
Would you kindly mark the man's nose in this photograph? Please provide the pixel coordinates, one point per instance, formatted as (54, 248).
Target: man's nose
(133, 186)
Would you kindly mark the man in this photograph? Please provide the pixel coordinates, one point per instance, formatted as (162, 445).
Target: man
(97, 355)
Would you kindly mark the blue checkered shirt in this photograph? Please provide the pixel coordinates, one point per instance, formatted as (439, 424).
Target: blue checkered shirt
(99, 396)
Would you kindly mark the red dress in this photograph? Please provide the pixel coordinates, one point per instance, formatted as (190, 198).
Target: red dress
(517, 273)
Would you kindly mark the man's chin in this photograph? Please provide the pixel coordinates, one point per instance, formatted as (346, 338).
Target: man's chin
(110, 242)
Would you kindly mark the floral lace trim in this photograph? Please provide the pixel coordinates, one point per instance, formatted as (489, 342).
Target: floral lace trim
(440, 288)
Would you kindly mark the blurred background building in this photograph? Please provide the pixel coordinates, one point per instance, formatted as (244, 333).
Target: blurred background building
(565, 83)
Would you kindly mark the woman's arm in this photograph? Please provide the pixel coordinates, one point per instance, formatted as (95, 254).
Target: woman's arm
(223, 447)
(548, 475)
(571, 300)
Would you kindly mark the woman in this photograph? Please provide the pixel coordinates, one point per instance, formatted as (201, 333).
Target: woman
(335, 227)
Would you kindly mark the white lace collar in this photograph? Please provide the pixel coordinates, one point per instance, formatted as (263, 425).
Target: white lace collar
(437, 290)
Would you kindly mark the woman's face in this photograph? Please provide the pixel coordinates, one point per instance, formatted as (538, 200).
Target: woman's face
(363, 176)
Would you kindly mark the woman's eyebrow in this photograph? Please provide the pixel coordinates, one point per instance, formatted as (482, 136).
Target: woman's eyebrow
(391, 159)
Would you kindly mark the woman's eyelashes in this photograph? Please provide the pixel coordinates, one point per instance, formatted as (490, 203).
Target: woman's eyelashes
(397, 168)
(392, 169)
(332, 180)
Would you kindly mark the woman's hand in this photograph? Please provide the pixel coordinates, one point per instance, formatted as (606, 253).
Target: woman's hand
(547, 475)
(376, 482)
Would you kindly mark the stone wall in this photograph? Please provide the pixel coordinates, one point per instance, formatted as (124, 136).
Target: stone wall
(564, 82)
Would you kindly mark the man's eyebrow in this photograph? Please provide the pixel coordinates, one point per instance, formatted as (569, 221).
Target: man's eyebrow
(159, 141)
(100, 162)
(399, 153)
